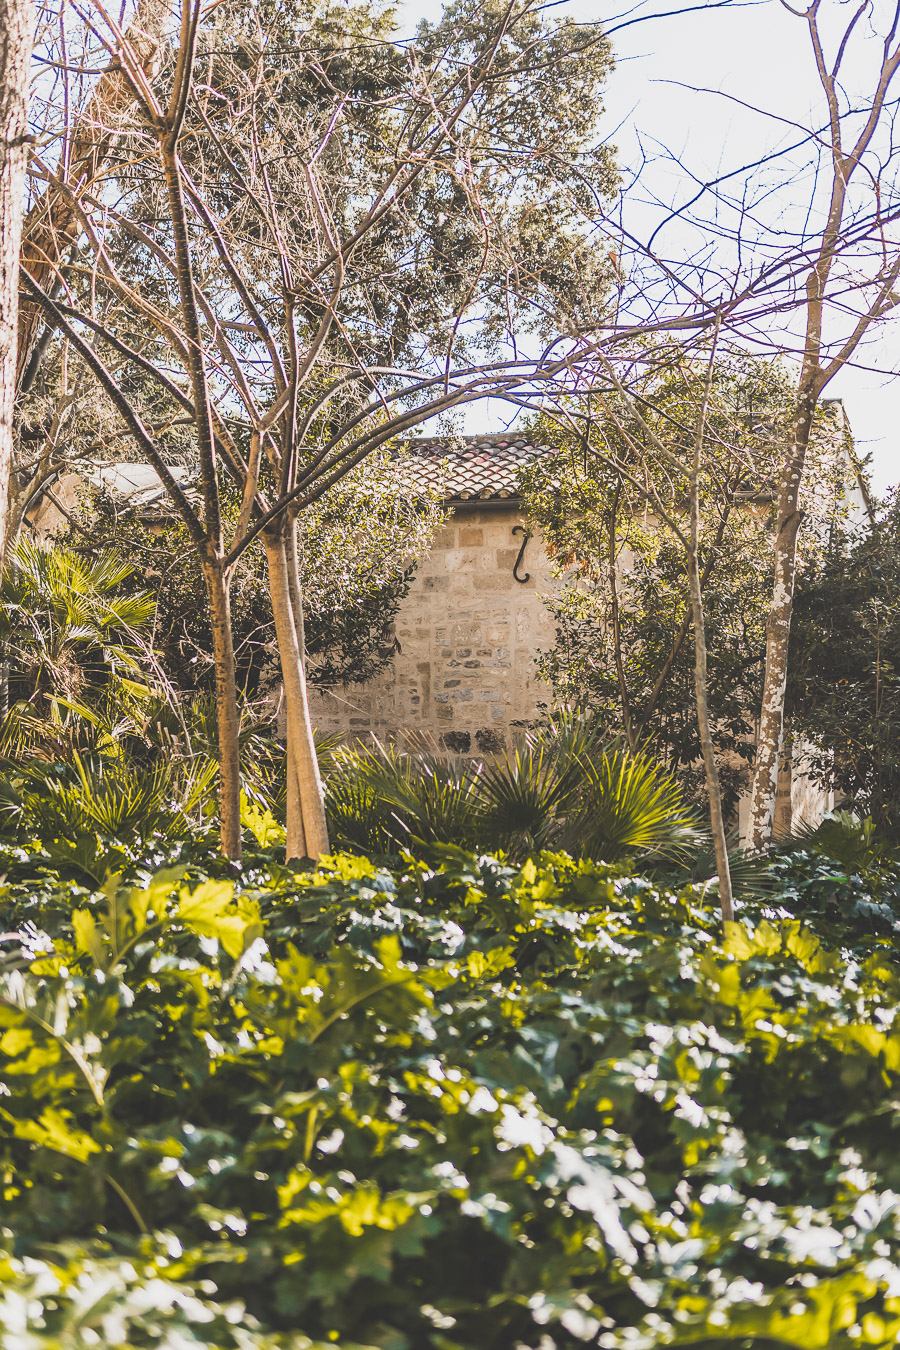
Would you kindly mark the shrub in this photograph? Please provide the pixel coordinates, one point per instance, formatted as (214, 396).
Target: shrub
(454, 1104)
(564, 785)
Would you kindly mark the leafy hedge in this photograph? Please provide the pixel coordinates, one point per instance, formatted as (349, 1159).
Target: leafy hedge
(453, 1105)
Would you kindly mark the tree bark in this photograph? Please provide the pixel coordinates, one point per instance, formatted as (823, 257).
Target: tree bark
(16, 26)
(778, 633)
(295, 840)
(713, 786)
(307, 827)
(227, 713)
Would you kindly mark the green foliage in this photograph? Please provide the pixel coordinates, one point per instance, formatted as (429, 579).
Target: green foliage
(110, 797)
(844, 683)
(357, 547)
(532, 141)
(456, 1104)
(564, 785)
(843, 876)
(624, 640)
(68, 624)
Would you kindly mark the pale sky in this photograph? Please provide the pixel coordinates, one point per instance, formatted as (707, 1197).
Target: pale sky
(758, 54)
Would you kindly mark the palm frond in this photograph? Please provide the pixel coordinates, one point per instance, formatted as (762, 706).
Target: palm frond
(406, 797)
(630, 807)
(565, 785)
(114, 799)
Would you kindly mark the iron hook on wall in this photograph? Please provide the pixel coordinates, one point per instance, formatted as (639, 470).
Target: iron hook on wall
(520, 529)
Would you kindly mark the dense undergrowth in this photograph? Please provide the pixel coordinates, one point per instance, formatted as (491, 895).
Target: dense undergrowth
(447, 1103)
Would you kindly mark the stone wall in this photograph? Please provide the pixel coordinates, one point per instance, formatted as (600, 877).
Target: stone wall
(468, 635)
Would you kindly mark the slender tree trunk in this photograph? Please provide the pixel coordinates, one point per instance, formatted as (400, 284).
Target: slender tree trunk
(228, 716)
(294, 754)
(16, 25)
(701, 682)
(308, 829)
(612, 568)
(713, 786)
(778, 632)
(295, 834)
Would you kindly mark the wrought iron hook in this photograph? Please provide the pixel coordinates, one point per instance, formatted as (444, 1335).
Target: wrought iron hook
(520, 529)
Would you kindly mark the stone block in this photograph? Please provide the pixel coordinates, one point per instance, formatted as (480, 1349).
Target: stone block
(489, 695)
(471, 536)
(489, 741)
(462, 695)
(457, 742)
(436, 583)
(462, 559)
(494, 581)
(444, 713)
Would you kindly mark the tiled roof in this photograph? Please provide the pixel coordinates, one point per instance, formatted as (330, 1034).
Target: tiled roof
(468, 467)
(138, 485)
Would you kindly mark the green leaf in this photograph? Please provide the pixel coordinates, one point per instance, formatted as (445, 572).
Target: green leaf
(88, 938)
(213, 911)
(52, 1130)
(261, 824)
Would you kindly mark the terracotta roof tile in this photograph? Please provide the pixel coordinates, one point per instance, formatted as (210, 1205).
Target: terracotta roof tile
(468, 467)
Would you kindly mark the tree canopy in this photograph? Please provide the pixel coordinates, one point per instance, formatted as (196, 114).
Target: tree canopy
(623, 624)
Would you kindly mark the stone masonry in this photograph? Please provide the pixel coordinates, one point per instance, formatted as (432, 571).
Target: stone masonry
(468, 636)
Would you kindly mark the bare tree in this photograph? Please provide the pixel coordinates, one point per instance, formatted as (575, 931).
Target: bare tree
(304, 231)
(658, 450)
(78, 127)
(820, 364)
(794, 255)
(16, 20)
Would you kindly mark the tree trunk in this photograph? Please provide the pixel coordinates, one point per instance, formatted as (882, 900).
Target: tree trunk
(307, 829)
(778, 632)
(713, 787)
(295, 840)
(701, 682)
(293, 754)
(16, 24)
(227, 713)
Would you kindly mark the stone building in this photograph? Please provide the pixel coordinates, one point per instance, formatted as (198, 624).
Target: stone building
(469, 632)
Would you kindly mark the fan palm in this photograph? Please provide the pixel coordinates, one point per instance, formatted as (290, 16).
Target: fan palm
(385, 797)
(111, 798)
(65, 624)
(566, 785)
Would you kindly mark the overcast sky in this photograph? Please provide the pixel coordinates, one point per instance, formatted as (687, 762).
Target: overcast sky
(759, 54)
